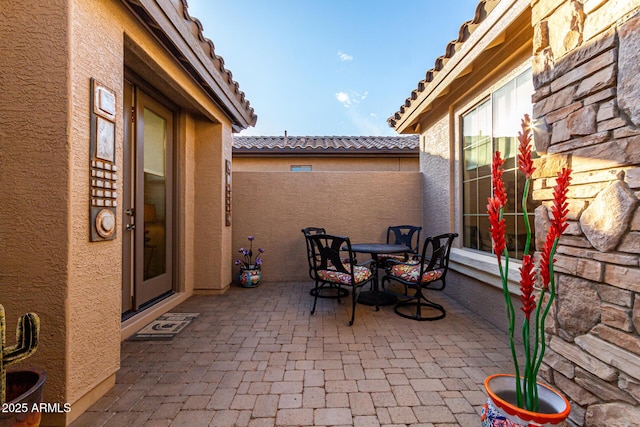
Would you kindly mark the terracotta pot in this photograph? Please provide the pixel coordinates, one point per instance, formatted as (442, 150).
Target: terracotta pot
(24, 394)
(250, 277)
(501, 410)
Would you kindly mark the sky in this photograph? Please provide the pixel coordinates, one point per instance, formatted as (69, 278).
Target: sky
(329, 67)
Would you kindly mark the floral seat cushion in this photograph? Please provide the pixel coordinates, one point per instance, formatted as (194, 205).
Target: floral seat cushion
(361, 274)
(345, 262)
(410, 272)
(382, 258)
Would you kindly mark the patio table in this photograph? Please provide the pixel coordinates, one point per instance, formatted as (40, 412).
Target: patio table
(375, 296)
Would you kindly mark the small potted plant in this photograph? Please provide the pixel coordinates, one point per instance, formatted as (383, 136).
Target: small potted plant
(20, 391)
(520, 400)
(250, 269)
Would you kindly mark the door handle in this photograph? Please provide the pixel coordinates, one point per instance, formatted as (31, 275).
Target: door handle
(130, 227)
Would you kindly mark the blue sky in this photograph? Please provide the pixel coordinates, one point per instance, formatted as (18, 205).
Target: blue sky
(329, 67)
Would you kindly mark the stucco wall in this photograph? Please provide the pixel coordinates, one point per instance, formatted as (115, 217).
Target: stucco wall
(95, 272)
(35, 177)
(352, 164)
(49, 265)
(213, 240)
(274, 207)
(436, 163)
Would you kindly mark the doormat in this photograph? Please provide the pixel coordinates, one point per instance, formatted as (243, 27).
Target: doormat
(165, 327)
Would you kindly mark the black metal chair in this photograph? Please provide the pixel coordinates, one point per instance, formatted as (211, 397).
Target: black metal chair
(432, 267)
(334, 264)
(328, 290)
(408, 235)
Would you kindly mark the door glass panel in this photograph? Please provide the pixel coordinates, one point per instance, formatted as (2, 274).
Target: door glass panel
(155, 144)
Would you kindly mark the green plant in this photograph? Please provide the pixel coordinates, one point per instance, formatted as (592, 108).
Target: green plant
(27, 333)
(526, 383)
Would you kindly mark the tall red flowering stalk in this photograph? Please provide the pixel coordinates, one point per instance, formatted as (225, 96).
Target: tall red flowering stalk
(526, 389)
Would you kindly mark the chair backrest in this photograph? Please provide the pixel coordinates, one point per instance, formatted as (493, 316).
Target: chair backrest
(435, 253)
(408, 235)
(309, 231)
(329, 251)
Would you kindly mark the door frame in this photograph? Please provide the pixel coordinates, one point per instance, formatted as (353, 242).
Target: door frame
(132, 83)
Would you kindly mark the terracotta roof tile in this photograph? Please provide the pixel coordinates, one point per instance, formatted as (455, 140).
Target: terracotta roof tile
(482, 10)
(216, 60)
(335, 144)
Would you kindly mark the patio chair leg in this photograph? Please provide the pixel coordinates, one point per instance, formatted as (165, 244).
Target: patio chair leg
(315, 299)
(420, 302)
(353, 305)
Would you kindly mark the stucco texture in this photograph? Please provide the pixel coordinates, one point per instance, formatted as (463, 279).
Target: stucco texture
(435, 162)
(275, 207)
(35, 177)
(49, 265)
(95, 273)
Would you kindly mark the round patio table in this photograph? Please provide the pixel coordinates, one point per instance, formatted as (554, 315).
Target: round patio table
(375, 296)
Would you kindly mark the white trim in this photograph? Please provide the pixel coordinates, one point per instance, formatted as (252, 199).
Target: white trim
(484, 267)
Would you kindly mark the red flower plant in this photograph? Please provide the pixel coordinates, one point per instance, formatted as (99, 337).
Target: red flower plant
(558, 224)
(526, 389)
(497, 225)
(525, 162)
(499, 191)
(527, 282)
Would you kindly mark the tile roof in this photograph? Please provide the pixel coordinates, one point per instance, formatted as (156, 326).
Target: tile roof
(327, 144)
(182, 35)
(483, 9)
(217, 61)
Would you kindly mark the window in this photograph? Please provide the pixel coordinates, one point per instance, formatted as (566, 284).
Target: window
(300, 168)
(491, 126)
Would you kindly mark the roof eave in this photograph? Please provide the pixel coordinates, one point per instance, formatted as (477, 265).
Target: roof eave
(488, 34)
(182, 37)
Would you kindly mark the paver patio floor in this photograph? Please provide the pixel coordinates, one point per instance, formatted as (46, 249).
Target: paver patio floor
(256, 357)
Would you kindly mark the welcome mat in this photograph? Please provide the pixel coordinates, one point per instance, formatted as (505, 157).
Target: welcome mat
(165, 327)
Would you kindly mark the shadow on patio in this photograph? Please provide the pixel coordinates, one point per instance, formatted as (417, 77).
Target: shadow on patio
(255, 357)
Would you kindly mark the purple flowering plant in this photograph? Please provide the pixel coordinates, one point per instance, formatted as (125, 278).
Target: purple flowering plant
(247, 262)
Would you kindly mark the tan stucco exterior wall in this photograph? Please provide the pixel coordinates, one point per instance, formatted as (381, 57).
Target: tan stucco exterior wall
(436, 163)
(275, 207)
(352, 164)
(212, 270)
(95, 274)
(49, 265)
(35, 178)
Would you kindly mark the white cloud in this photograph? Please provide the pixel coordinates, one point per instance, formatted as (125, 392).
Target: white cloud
(344, 99)
(366, 123)
(344, 56)
(353, 97)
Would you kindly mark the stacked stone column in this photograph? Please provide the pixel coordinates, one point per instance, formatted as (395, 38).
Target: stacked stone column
(586, 71)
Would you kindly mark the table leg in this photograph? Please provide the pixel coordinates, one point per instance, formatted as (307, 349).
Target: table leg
(375, 296)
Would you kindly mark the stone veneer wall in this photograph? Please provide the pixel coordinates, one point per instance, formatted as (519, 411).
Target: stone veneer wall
(586, 103)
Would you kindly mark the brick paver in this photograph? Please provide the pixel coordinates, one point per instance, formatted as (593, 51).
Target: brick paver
(255, 357)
